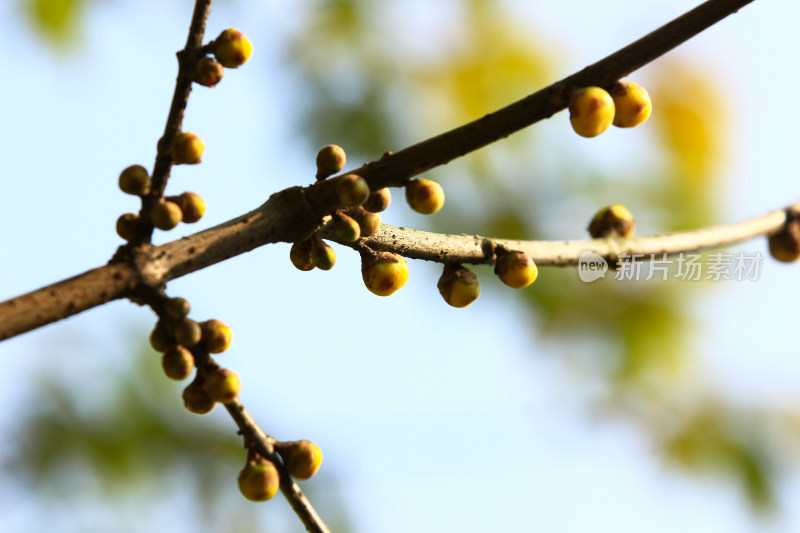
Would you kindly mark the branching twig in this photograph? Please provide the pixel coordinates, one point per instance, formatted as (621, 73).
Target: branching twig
(293, 214)
(181, 257)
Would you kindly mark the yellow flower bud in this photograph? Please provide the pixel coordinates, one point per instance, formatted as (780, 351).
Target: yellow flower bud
(591, 111)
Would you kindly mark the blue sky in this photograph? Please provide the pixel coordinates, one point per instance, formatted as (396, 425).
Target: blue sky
(403, 420)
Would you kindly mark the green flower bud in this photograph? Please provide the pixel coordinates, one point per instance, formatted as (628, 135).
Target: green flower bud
(322, 255)
(195, 397)
(352, 190)
(177, 363)
(346, 227)
(127, 225)
(330, 160)
(459, 286)
(300, 255)
(187, 332)
(135, 180)
(177, 307)
(161, 338)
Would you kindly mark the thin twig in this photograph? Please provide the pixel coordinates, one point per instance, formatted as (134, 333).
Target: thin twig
(254, 437)
(293, 214)
(474, 249)
(180, 99)
(263, 444)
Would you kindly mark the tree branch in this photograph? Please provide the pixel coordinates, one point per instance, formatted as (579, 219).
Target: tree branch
(263, 444)
(295, 213)
(474, 249)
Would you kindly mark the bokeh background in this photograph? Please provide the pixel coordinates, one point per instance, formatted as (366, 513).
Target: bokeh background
(653, 406)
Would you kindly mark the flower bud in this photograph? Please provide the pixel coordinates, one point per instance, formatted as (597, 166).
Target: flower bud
(165, 215)
(352, 190)
(177, 307)
(192, 205)
(300, 255)
(612, 221)
(134, 180)
(632, 104)
(378, 201)
(259, 480)
(187, 332)
(591, 111)
(223, 385)
(127, 225)
(302, 458)
(207, 72)
(383, 273)
(459, 286)
(322, 255)
(785, 244)
(515, 269)
(195, 397)
(369, 223)
(424, 196)
(346, 227)
(161, 338)
(177, 363)
(187, 148)
(330, 160)
(216, 336)
(232, 48)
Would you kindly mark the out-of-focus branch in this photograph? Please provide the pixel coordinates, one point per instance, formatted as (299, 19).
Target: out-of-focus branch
(477, 250)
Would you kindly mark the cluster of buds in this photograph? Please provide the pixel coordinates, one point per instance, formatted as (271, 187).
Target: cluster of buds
(359, 216)
(593, 109)
(259, 480)
(231, 49)
(188, 207)
(176, 336)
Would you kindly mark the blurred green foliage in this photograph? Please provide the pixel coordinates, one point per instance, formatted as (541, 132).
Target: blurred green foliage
(369, 94)
(58, 21)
